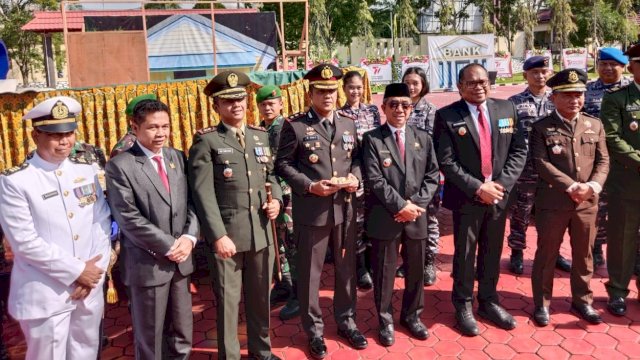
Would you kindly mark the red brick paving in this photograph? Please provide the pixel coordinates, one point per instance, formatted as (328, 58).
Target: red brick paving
(566, 336)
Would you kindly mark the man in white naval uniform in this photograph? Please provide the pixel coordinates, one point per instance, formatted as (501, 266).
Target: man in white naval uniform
(56, 218)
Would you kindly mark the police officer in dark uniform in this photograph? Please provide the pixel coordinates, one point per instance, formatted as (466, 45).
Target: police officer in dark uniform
(229, 165)
(570, 154)
(531, 104)
(611, 63)
(319, 158)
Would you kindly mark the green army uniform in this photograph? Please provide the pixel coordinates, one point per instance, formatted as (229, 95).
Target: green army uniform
(620, 115)
(228, 187)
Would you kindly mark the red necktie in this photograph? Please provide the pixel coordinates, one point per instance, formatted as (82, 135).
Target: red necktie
(161, 172)
(485, 145)
(400, 143)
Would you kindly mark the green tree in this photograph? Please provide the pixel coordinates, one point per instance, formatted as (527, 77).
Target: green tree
(320, 37)
(562, 22)
(527, 20)
(406, 18)
(23, 47)
(162, 6)
(364, 26)
(604, 21)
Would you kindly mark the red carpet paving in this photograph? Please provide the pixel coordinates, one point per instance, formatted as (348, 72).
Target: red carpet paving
(566, 337)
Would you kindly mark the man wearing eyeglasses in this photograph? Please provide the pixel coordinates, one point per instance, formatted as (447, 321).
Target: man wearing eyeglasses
(611, 63)
(402, 177)
(481, 154)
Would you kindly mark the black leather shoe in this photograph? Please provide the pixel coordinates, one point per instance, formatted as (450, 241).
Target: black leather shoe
(563, 264)
(355, 337)
(617, 306)
(541, 315)
(400, 272)
(498, 315)
(386, 335)
(364, 281)
(290, 310)
(467, 323)
(587, 312)
(416, 328)
(516, 264)
(317, 347)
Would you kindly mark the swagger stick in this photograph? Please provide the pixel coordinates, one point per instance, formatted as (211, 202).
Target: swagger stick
(267, 188)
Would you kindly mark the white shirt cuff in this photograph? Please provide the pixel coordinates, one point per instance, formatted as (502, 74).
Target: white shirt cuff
(595, 186)
(572, 187)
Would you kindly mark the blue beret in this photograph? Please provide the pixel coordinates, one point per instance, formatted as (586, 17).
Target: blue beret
(535, 62)
(613, 54)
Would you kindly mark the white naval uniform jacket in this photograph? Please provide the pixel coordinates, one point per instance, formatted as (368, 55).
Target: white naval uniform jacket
(55, 218)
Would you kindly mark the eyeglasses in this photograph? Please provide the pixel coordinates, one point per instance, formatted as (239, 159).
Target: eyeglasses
(472, 84)
(395, 104)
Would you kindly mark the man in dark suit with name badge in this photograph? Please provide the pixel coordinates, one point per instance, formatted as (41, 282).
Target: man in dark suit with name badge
(401, 179)
(150, 200)
(318, 157)
(570, 154)
(229, 165)
(481, 155)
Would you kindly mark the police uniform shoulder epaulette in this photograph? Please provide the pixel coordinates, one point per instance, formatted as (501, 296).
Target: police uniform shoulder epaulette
(259, 128)
(347, 115)
(296, 116)
(15, 169)
(83, 159)
(613, 89)
(207, 130)
(589, 115)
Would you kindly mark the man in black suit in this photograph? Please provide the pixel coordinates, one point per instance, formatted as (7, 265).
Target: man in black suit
(401, 179)
(481, 154)
(315, 147)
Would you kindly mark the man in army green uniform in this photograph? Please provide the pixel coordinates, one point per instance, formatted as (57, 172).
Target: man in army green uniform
(269, 99)
(229, 166)
(611, 63)
(620, 115)
(129, 138)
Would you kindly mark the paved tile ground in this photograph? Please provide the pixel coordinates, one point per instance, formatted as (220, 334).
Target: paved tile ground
(566, 337)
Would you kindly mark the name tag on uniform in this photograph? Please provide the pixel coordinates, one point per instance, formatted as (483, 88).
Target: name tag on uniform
(50, 194)
(225, 151)
(310, 138)
(459, 123)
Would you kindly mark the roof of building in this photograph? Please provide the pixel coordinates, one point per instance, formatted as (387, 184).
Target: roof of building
(51, 21)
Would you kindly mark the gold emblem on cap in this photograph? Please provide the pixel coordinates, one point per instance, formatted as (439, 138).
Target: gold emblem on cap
(326, 73)
(232, 80)
(545, 62)
(60, 111)
(273, 93)
(573, 76)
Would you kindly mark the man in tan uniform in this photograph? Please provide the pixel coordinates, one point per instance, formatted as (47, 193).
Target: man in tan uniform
(570, 154)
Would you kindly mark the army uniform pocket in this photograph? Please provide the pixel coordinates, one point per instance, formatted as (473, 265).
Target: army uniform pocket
(588, 144)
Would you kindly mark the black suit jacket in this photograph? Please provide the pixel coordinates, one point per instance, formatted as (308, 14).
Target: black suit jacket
(390, 182)
(150, 217)
(307, 154)
(458, 151)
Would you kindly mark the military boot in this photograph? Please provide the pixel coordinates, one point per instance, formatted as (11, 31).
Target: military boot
(516, 264)
(282, 290)
(429, 268)
(364, 278)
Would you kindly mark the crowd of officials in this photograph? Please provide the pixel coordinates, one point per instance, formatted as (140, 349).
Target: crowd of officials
(275, 202)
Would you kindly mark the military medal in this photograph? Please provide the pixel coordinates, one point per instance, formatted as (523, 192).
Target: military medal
(79, 180)
(86, 194)
(556, 149)
(386, 162)
(462, 131)
(313, 158)
(587, 123)
(633, 126)
(228, 172)
(256, 138)
(102, 180)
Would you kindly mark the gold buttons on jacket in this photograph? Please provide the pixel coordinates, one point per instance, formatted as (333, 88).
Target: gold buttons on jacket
(59, 172)
(70, 214)
(577, 154)
(333, 159)
(251, 208)
(333, 146)
(66, 193)
(76, 237)
(250, 191)
(578, 168)
(246, 156)
(249, 172)
(335, 173)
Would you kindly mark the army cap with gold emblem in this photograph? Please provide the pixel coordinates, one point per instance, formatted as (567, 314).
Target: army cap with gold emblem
(55, 115)
(568, 80)
(324, 76)
(268, 92)
(136, 100)
(228, 85)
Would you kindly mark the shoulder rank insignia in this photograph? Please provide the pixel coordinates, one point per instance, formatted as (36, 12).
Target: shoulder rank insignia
(81, 159)
(15, 169)
(254, 127)
(347, 115)
(207, 130)
(296, 116)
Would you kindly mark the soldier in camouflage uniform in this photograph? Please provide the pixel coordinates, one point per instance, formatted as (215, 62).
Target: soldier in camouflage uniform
(611, 63)
(423, 116)
(531, 104)
(269, 100)
(129, 138)
(367, 118)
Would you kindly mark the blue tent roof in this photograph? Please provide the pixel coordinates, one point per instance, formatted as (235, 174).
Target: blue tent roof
(183, 42)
